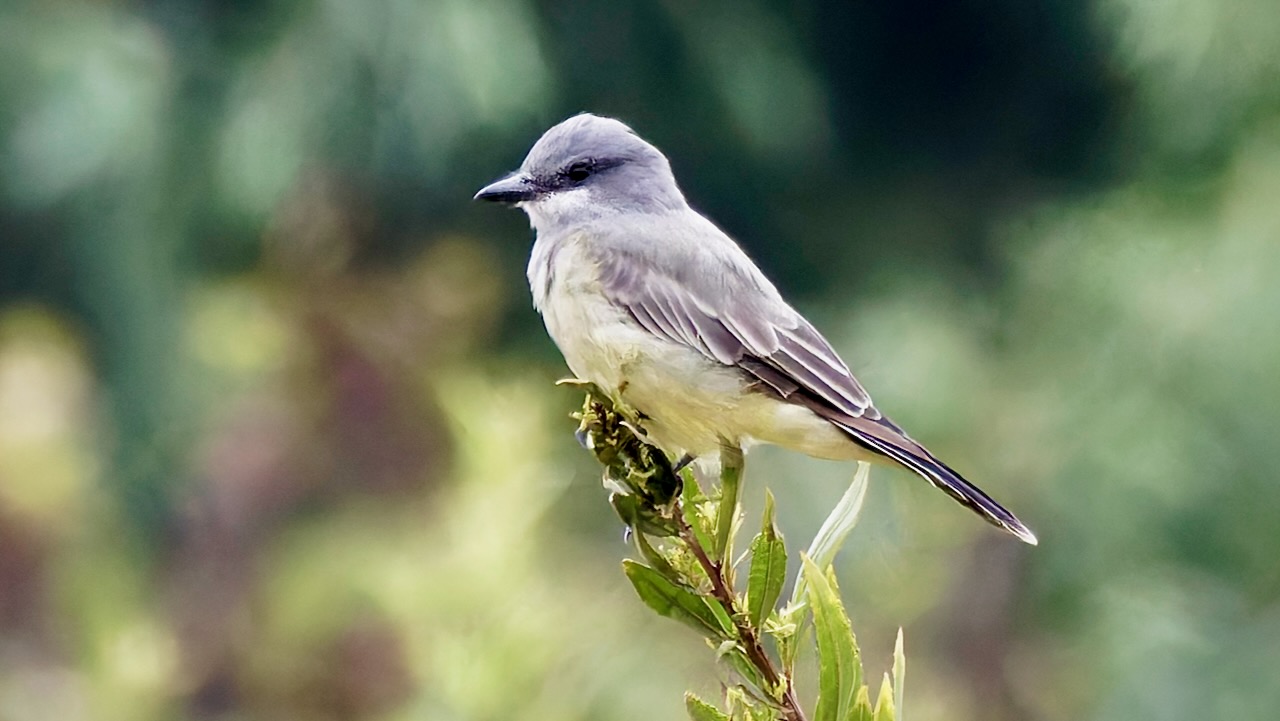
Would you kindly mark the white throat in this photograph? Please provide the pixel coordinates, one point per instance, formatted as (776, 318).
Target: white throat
(561, 210)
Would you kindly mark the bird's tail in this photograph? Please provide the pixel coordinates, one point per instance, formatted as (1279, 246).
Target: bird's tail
(889, 440)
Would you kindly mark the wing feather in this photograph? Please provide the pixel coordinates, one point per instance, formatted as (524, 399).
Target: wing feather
(736, 318)
(718, 303)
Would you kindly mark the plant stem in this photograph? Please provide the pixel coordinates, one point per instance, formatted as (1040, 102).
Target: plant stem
(715, 571)
(731, 465)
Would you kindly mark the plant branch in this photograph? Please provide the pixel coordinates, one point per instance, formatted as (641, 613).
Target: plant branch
(652, 497)
(791, 709)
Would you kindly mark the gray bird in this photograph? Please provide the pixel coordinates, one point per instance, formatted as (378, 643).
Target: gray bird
(653, 303)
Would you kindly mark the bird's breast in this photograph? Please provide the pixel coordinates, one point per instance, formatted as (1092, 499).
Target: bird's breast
(596, 337)
(685, 396)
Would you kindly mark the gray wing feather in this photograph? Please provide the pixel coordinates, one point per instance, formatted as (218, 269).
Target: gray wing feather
(730, 313)
(715, 301)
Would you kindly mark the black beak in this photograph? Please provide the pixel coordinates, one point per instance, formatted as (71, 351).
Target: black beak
(514, 188)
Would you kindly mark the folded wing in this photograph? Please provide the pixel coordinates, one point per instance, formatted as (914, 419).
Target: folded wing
(738, 319)
(719, 304)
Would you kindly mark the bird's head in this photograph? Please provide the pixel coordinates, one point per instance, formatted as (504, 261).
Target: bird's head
(586, 167)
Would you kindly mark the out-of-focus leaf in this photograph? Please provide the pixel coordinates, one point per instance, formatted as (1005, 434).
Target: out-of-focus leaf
(676, 602)
(899, 673)
(839, 668)
(768, 568)
(861, 706)
(700, 710)
(831, 535)
(884, 710)
(841, 520)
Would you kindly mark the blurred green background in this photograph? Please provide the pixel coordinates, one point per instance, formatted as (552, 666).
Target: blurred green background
(278, 435)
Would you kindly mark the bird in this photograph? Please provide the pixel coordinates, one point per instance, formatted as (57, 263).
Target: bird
(657, 306)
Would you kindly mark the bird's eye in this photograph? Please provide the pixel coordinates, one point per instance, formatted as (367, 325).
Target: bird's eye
(579, 171)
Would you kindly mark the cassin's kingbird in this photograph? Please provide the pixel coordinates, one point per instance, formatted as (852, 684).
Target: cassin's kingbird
(652, 302)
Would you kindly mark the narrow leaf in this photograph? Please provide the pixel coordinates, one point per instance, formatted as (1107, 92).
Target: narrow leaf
(787, 641)
(841, 520)
(899, 674)
(884, 702)
(675, 602)
(639, 515)
(737, 659)
(690, 491)
(700, 710)
(839, 668)
(728, 630)
(861, 706)
(656, 560)
(831, 535)
(692, 503)
(768, 568)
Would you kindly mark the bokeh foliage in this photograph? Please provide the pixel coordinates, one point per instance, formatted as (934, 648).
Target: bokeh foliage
(277, 431)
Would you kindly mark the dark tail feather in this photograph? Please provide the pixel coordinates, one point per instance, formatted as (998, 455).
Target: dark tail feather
(937, 473)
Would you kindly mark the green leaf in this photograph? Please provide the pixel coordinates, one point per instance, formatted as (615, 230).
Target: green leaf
(831, 535)
(861, 706)
(690, 490)
(636, 512)
(693, 504)
(700, 710)
(731, 653)
(884, 702)
(768, 568)
(677, 602)
(839, 668)
(899, 674)
(656, 560)
(785, 637)
(841, 520)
